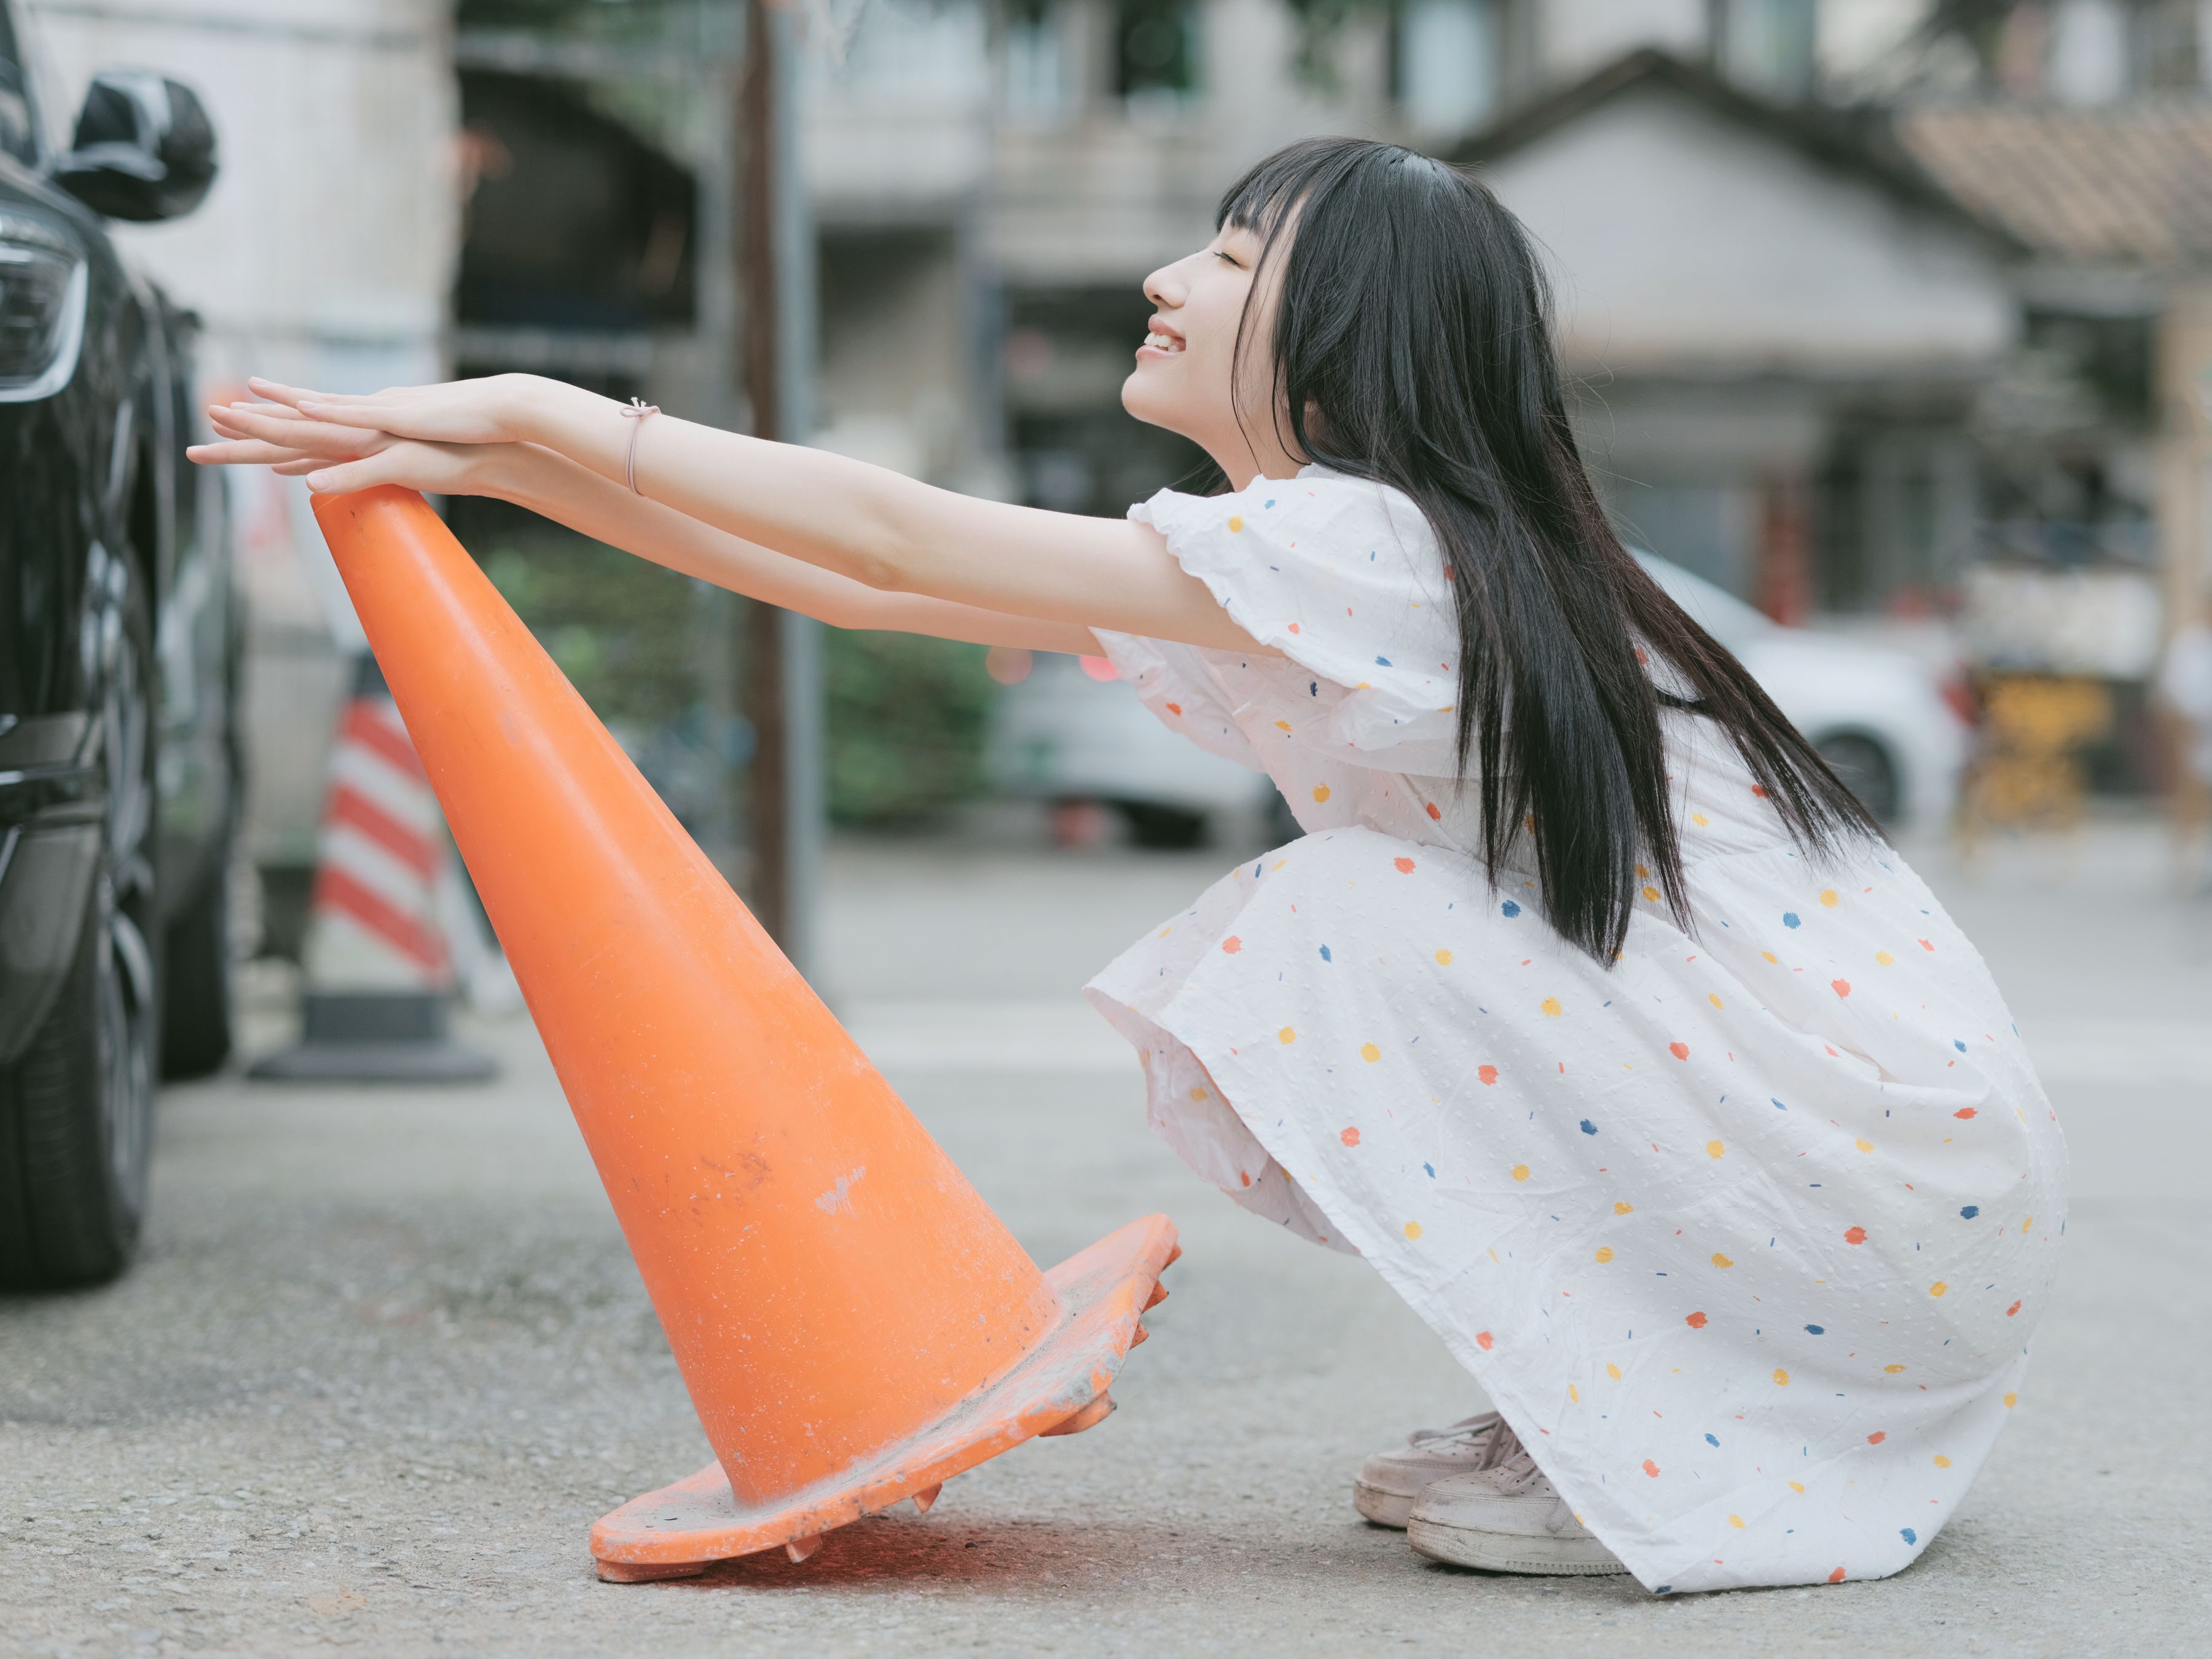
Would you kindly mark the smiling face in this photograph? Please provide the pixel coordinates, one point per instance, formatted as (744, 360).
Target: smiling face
(1186, 378)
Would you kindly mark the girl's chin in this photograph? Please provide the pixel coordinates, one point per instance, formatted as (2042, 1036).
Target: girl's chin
(1144, 396)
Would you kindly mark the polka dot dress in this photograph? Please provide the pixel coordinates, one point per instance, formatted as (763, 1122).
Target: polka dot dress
(1746, 1236)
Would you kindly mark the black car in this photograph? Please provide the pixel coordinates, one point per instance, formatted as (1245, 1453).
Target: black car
(119, 766)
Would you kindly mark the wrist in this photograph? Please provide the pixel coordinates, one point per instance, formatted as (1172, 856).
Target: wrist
(510, 472)
(531, 406)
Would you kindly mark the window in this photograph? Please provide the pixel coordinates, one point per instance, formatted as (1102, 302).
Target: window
(2167, 44)
(1036, 70)
(1155, 49)
(1446, 64)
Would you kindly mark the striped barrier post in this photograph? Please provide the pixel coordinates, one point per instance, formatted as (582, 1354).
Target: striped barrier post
(378, 972)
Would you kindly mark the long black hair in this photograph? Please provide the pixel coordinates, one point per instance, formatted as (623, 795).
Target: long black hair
(1413, 346)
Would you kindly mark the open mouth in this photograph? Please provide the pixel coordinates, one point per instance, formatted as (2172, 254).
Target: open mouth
(1167, 345)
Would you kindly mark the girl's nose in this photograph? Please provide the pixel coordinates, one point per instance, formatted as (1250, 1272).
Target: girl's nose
(1165, 288)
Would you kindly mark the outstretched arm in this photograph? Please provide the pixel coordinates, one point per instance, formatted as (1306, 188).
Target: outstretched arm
(558, 489)
(869, 525)
(569, 494)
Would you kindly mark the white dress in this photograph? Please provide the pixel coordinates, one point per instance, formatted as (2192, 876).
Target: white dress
(1746, 1236)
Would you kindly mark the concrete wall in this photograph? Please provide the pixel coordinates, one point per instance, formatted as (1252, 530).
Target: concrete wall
(1679, 241)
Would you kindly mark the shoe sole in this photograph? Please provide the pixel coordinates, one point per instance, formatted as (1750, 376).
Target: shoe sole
(1499, 1552)
(1383, 1508)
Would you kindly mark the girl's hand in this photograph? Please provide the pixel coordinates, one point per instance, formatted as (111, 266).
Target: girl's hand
(337, 459)
(492, 410)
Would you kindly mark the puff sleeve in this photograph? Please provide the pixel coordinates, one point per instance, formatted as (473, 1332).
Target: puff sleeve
(1343, 577)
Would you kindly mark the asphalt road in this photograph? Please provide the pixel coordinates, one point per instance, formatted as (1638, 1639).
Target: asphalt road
(385, 1358)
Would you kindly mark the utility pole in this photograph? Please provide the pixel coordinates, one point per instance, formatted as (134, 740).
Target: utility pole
(782, 650)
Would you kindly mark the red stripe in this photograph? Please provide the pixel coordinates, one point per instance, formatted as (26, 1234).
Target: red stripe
(337, 890)
(348, 806)
(380, 735)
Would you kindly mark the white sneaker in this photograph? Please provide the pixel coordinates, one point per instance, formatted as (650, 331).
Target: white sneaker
(1388, 1482)
(1508, 1518)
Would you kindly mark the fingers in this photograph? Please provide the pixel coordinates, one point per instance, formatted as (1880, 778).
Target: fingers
(358, 412)
(247, 452)
(401, 464)
(318, 437)
(277, 392)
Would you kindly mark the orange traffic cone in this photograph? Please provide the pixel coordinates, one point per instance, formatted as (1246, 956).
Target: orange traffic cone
(854, 1322)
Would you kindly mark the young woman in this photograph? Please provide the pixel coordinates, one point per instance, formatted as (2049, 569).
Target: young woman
(1590, 1009)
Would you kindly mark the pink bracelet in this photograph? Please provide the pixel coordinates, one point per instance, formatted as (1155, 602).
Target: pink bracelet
(638, 409)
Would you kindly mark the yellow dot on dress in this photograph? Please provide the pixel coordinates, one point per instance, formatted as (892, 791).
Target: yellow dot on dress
(1701, 821)
(1652, 894)
(1771, 956)
(1321, 792)
(1714, 1149)
(1884, 957)
(1369, 1053)
(1720, 1261)
(1236, 522)
(1864, 1145)
(1520, 1172)
(1736, 1520)
(1714, 997)
(1551, 1007)
(1412, 1230)
(1282, 726)
(1828, 897)
(1938, 1288)
(1781, 1377)
(1198, 1094)
(1892, 1369)
(1287, 1034)
(1574, 1394)
(1612, 1371)
(1622, 1206)
(2011, 1400)
(1641, 874)
(1942, 1462)
(1444, 958)
(2025, 1225)
(1797, 1486)
(1605, 1253)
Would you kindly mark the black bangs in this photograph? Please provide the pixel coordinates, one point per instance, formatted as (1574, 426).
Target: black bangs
(1412, 345)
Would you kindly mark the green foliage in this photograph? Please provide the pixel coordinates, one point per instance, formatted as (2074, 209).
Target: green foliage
(617, 626)
(907, 717)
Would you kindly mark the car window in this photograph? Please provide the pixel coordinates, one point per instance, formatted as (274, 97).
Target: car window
(18, 135)
(1716, 610)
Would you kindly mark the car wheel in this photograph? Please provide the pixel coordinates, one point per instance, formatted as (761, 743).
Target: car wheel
(196, 981)
(1864, 767)
(1165, 828)
(76, 1111)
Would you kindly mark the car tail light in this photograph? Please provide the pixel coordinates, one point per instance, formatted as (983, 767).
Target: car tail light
(1957, 695)
(42, 297)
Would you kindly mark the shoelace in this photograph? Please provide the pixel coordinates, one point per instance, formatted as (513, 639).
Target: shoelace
(1513, 1470)
(1467, 1431)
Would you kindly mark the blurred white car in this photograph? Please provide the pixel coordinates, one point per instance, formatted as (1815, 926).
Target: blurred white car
(1879, 717)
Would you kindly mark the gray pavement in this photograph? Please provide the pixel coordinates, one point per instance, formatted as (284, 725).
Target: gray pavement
(385, 1358)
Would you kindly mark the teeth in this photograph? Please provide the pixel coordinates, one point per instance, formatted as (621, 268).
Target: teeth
(1163, 342)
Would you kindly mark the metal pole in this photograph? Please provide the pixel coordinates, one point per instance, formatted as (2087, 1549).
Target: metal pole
(782, 649)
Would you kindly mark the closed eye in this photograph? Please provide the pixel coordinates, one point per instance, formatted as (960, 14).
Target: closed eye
(1227, 259)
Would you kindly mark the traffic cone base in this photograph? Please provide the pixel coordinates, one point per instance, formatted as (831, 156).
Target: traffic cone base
(375, 1036)
(682, 1529)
